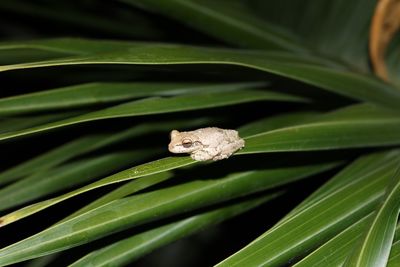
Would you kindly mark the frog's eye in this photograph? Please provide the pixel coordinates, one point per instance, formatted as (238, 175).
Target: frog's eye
(186, 143)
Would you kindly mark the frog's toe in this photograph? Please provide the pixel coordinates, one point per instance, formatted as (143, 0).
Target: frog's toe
(199, 157)
(219, 157)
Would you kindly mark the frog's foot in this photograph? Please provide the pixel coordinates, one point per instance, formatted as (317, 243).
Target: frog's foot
(220, 156)
(200, 156)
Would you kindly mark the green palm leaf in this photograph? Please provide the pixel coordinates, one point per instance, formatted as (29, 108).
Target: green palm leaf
(101, 93)
(68, 175)
(135, 210)
(326, 217)
(159, 105)
(127, 250)
(288, 65)
(87, 105)
(375, 247)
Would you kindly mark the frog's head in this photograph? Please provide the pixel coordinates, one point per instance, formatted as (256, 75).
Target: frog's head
(184, 142)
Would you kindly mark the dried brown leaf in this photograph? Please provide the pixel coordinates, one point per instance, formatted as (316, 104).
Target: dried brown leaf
(385, 23)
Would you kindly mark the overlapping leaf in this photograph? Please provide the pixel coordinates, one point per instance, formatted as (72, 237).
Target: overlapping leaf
(289, 140)
(84, 145)
(19, 123)
(394, 258)
(303, 68)
(375, 247)
(324, 218)
(123, 191)
(236, 23)
(354, 126)
(127, 212)
(76, 173)
(266, 124)
(149, 168)
(127, 250)
(101, 93)
(158, 105)
(336, 29)
(335, 251)
(357, 170)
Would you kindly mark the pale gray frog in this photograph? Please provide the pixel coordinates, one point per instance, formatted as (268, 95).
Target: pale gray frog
(206, 143)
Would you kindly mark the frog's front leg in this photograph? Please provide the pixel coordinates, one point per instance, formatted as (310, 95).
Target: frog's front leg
(220, 156)
(223, 154)
(205, 154)
(229, 149)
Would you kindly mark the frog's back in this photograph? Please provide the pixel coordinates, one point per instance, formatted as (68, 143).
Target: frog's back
(211, 133)
(221, 135)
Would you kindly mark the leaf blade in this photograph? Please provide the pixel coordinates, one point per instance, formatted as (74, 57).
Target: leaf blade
(161, 105)
(66, 176)
(81, 146)
(374, 249)
(82, 95)
(232, 22)
(125, 251)
(315, 72)
(139, 209)
(325, 218)
(142, 170)
(335, 251)
(353, 126)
